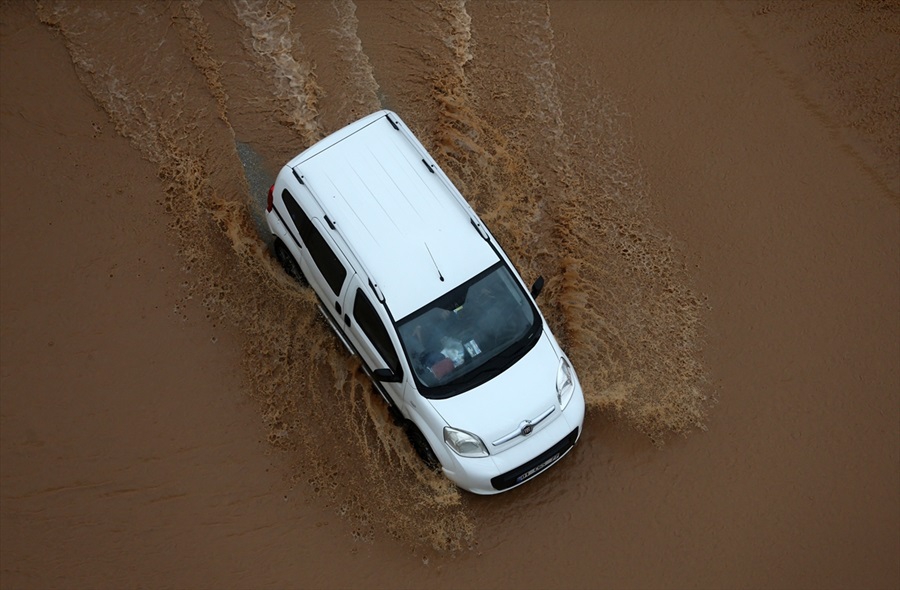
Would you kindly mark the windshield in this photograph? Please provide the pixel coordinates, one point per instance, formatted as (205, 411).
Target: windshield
(471, 334)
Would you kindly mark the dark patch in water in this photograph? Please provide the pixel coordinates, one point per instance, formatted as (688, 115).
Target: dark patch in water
(260, 177)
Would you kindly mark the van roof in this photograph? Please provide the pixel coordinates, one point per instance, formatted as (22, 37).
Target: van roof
(402, 221)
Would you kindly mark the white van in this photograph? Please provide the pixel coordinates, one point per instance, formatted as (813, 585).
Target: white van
(415, 284)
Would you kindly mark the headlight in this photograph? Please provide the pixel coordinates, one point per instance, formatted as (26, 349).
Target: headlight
(565, 383)
(464, 443)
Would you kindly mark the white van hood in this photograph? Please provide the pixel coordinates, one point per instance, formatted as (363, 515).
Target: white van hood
(497, 408)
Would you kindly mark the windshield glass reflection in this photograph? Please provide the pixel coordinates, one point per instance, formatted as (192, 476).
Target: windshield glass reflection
(483, 325)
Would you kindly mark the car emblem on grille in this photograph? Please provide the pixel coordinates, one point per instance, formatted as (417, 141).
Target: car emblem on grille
(525, 427)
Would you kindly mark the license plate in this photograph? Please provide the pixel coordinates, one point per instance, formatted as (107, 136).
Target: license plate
(534, 470)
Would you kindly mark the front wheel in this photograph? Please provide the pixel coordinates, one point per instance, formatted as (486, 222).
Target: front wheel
(421, 446)
(289, 263)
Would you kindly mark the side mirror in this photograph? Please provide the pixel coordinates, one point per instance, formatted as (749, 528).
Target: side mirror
(387, 376)
(537, 287)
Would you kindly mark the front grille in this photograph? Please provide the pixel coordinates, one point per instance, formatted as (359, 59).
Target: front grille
(536, 465)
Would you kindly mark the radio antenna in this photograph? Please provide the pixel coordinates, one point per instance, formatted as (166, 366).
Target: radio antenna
(433, 261)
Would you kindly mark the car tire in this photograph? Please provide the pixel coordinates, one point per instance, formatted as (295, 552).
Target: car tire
(421, 447)
(289, 263)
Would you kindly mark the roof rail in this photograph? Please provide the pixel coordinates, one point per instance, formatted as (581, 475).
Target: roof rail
(480, 228)
(392, 122)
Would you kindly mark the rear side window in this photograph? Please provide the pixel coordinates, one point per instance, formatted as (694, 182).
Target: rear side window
(369, 322)
(323, 256)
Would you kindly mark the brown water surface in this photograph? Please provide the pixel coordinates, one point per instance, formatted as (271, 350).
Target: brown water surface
(711, 191)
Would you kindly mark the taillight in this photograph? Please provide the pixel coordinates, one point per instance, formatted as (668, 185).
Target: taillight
(269, 199)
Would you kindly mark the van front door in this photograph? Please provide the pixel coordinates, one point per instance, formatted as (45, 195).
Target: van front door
(370, 332)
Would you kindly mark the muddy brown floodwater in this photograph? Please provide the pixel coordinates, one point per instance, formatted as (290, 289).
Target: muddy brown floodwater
(711, 189)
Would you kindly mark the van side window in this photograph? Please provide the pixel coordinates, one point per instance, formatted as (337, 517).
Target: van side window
(322, 254)
(367, 319)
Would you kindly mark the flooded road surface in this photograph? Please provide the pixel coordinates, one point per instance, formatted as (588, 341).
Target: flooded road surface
(720, 241)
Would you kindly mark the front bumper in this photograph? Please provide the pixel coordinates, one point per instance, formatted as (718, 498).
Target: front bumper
(514, 466)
